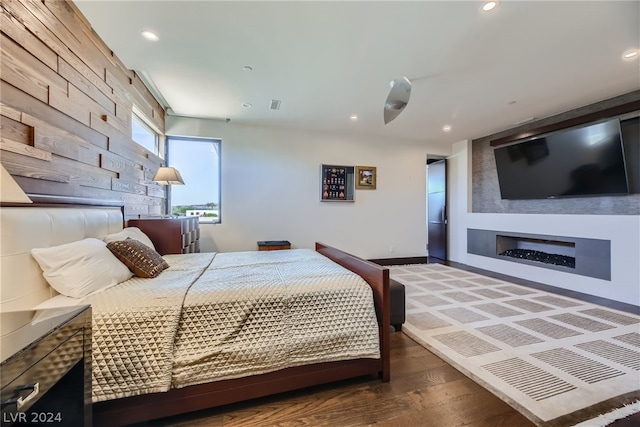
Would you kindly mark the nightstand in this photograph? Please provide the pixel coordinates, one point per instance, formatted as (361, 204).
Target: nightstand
(48, 380)
(273, 245)
(176, 235)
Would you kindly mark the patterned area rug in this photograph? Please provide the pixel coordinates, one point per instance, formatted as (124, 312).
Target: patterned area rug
(555, 359)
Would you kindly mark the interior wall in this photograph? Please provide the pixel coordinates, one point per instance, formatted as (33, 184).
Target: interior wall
(271, 190)
(621, 229)
(65, 122)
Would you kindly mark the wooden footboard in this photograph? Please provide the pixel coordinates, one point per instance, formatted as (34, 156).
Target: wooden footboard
(177, 401)
(378, 278)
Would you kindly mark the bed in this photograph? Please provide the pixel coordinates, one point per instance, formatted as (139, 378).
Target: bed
(188, 350)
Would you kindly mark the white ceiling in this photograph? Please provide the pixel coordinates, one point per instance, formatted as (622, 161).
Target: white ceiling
(327, 60)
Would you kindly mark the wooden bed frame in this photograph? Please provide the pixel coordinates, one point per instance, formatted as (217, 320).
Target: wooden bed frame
(178, 401)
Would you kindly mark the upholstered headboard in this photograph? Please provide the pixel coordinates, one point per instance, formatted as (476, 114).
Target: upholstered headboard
(23, 228)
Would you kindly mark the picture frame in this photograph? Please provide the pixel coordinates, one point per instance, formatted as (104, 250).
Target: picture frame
(337, 183)
(366, 177)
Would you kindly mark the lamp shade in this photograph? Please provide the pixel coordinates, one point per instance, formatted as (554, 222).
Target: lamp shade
(168, 176)
(10, 191)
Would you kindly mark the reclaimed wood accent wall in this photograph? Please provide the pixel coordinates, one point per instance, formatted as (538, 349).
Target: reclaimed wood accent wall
(66, 102)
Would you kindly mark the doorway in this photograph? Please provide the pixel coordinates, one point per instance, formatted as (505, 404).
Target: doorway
(437, 208)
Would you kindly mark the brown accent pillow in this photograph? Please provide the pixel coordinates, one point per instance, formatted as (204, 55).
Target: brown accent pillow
(140, 258)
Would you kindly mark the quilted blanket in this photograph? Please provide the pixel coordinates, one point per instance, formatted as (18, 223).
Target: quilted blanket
(217, 316)
(256, 312)
(134, 324)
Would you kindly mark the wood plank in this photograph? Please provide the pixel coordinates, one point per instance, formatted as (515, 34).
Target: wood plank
(20, 165)
(155, 210)
(16, 131)
(68, 17)
(132, 211)
(136, 199)
(25, 150)
(127, 185)
(123, 107)
(75, 104)
(119, 84)
(14, 29)
(66, 102)
(38, 186)
(57, 143)
(62, 33)
(10, 112)
(17, 100)
(21, 69)
(83, 174)
(85, 85)
(89, 33)
(116, 123)
(60, 100)
(155, 190)
(43, 33)
(58, 169)
(115, 163)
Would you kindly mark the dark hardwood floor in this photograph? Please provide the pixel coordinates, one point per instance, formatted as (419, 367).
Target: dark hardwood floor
(424, 391)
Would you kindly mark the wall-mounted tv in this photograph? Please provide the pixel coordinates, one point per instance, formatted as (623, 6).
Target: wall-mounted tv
(577, 162)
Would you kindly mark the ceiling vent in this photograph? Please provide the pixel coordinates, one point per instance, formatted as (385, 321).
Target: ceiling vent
(274, 104)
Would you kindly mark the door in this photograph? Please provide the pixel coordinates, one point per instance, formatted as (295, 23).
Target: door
(437, 208)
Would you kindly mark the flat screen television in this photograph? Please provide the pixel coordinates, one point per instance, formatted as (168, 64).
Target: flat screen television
(577, 162)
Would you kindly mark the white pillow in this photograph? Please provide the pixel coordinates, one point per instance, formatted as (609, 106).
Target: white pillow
(132, 232)
(79, 268)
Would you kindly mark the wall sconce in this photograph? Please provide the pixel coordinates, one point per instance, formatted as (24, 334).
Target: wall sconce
(168, 176)
(10, 191)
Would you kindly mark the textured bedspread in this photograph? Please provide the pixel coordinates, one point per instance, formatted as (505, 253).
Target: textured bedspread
(218, 316)
(256, 312)
(134, 325)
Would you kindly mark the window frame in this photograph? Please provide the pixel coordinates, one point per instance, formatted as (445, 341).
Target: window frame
(138, 116)
(218, 141)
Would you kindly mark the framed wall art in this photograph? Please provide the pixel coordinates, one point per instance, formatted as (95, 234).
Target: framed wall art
(366, 177)
(337, 183)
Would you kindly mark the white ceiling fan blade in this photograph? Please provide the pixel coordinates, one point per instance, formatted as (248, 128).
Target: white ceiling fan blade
(398, 98)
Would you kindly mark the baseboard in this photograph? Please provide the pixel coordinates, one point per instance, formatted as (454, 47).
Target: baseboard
(400, 261)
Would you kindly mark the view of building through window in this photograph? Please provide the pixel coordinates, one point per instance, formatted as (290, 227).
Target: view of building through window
(198, 161)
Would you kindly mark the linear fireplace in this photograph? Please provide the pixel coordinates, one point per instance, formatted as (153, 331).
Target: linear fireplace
(586, 257)
(554, 252)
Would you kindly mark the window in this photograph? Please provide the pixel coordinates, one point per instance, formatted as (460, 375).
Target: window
(198, 160)
(143, 134)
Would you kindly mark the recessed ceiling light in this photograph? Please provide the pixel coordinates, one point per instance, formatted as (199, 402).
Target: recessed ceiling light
(630, 54)
(446, 128)
(247, 105)
(247, 68)
(150, 35)
(490, 5)
(353, 117)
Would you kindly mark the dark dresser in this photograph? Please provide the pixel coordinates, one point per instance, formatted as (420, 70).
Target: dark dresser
(176, 235)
